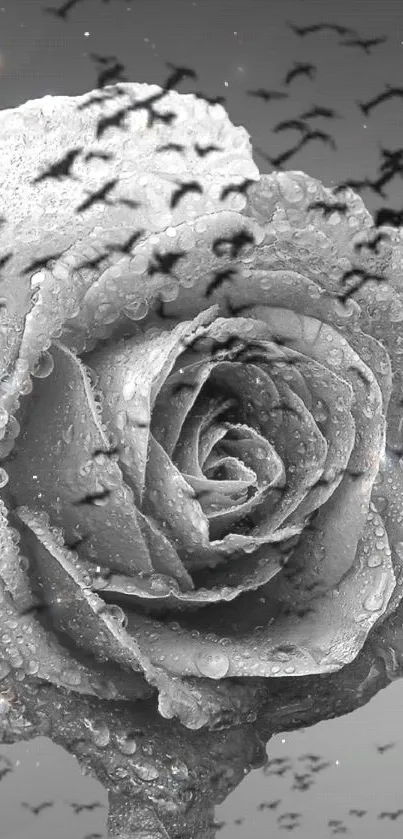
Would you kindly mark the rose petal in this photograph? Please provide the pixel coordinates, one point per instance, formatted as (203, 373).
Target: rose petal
(56, 456)
(72, 606)
(130, 375)
(257, 627)
(42, 217)
(27, 645)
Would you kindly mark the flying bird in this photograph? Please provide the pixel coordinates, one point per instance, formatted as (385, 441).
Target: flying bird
(211, 100)
(236, 242)
(319, 27)
(242, 187)
(98, 155)
(318, 135)
(388, 216)
(163, 263)
(171, 147)
(90, 498)
(113, 121)
(184, 188)
(372, 245)
(98, 196)
(127, 246)
(62, 11)
(203, 151)
(220, 277)
(328, 209)
(318, 111)
(60, 169)
(179, 73)
(385, 748)
(389, 93)
(300, 69)
(37, 264)
(267, 95)
(364, 44)
(296, 124)
(269, 805)
(111, 75)
(39, 808)
(78, 808)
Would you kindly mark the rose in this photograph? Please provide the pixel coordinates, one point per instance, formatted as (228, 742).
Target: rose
(280, 554)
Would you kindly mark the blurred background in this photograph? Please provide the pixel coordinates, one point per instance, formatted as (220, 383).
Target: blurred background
(236, 46)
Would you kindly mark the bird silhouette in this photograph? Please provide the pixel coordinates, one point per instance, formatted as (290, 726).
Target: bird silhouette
(241, 188)
(318, 135)
(171, 147)
(392, 815)
(91, 498)
(328, 209)
(220, 277)
(364, 44)
(98, 155)
(267, 95)
(318, 111)
(38, 809)
(127, 246)
(385, 748)
(42, 262)
(60, 169)
(62, 11)
(184, 189)
(389, 93)
(202, 151)
(269, 805)
(179, 73)
(372, 245)
(319, 27)
(388, 216)
(111, 75)
(292, 816)
(296, 124)
(236, 242)
(358, 813)
(97, 197)
(300, 69)
(163, 263)
(79, 808)
(211, 100)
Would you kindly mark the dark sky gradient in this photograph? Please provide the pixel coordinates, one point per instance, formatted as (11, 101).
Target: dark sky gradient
(233, 45)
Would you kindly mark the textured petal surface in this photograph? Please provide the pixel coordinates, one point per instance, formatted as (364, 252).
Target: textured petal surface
(315, 522)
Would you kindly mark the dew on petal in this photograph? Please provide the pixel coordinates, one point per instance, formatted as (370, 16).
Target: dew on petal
(212, 665)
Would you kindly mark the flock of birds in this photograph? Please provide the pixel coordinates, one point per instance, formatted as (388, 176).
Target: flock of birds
(303, 781)
(111, 72)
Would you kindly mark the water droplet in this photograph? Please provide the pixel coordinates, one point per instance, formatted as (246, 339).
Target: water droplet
(374, 602)
(146, 771)
(44, 366)
(374, 560)
(68, 433)
(179, 769)
(214, 665)
(117, 613)
(136, 310)
(101, 736)
(398, 546)
(126, 745)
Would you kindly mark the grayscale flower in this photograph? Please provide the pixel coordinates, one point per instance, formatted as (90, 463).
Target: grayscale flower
(201, 428)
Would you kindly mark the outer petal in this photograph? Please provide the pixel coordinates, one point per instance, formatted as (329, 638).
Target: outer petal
(43, 216)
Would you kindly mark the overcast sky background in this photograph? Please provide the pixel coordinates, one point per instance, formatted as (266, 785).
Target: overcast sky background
(233, 45)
